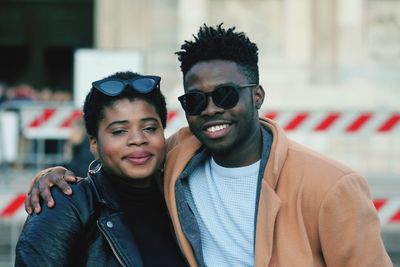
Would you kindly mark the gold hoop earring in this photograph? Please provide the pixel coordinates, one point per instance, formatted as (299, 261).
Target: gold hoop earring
(97, 167)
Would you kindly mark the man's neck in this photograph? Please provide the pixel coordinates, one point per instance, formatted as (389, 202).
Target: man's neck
(246, 154)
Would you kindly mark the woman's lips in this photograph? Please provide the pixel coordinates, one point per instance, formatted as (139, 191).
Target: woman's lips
(138, 158)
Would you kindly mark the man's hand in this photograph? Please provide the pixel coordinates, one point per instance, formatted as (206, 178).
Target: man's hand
(41, 184)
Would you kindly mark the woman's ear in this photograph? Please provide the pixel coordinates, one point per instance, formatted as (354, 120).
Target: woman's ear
(93, 147)
(259, 95)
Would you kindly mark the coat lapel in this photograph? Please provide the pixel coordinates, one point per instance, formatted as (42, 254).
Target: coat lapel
(177, 158)
(269, 205)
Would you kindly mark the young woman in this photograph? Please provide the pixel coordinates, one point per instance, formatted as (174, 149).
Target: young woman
(116, 216)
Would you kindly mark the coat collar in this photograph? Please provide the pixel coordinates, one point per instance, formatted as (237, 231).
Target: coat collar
(279, 150)
(104, 189)
(184, 145)
(181, 147)
(269, 202)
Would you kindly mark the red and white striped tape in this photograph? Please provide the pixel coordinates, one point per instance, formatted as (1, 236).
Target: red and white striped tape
(337, 121)
(326, 122)
(388, 208)
(56, 122)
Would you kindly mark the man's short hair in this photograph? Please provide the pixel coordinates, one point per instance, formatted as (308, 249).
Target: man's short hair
(219, 43)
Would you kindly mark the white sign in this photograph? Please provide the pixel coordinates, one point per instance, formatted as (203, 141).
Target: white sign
(94, 64)
(8, 136)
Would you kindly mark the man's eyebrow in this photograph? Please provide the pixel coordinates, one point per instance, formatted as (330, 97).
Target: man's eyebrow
(225, 83)
(216, 86)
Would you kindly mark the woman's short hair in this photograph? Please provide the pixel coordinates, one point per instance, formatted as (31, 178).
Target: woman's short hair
(96, 102)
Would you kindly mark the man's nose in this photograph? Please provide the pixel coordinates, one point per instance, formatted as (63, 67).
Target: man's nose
(211, 108)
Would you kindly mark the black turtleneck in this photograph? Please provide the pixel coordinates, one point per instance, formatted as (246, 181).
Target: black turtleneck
(149, 221)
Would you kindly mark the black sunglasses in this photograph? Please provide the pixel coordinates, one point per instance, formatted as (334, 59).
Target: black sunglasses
(113, 86)
(224, 96)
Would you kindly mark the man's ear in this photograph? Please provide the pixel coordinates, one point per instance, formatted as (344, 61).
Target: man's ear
(259, 95)
(93, 147)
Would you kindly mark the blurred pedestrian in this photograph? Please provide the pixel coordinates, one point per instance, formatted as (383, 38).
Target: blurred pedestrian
(2, 92)
(78, 149)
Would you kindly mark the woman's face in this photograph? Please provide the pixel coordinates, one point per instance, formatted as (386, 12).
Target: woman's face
(130, 140)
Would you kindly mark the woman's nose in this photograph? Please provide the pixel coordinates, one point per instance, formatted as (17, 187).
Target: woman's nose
(137, 138)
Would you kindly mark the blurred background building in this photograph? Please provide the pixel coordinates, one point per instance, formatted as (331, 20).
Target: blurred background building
(331, 70)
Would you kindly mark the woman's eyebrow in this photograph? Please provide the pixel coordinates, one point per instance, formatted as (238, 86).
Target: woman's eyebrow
(127, 121)
(117, 122)
(150, 119)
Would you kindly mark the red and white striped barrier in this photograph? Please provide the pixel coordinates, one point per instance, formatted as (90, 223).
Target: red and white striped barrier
(337, 121)
(388, 210)
(12, 206)
(49, 122)
(326, 122)
(55, 122)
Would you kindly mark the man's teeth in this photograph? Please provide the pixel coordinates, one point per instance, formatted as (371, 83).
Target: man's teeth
(216, 128)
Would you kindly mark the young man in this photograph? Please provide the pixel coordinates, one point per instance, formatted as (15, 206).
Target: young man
(239, 192)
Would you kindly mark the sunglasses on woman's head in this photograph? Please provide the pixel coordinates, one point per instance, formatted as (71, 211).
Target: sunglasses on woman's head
(224, 96)
(114, 86)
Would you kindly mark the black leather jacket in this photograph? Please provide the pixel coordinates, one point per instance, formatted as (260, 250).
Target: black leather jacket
(85, 229)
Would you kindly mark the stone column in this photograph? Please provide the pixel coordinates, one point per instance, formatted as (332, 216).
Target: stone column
(324, 41)
(297, 40)
(350, 29)
(191, 15)
(120, 24)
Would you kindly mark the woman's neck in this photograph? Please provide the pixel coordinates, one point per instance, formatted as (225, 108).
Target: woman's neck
(130, 182)
(134, 191)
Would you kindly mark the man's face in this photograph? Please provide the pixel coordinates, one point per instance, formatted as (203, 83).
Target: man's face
(223, 131)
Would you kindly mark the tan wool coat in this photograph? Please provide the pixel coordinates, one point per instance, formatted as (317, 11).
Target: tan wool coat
(313, 211)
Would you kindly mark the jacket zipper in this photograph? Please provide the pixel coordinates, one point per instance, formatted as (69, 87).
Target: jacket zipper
(111, 244)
